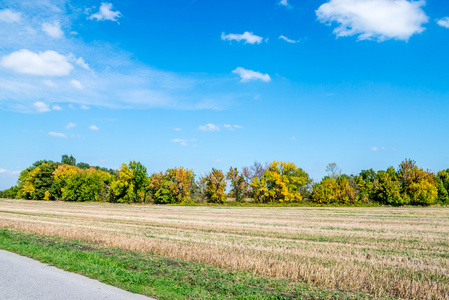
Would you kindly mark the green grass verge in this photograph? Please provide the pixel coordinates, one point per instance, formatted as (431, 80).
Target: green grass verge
(160, 277)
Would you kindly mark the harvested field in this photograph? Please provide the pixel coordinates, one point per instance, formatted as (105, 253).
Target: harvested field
(383, 251)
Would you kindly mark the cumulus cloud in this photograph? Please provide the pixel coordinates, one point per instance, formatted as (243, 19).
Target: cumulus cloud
(48, 63)
(283, 37)
(41, 106)
(70, 125)
(53, 30)
(85, 107)
(443, 22)
(116, 80)
(248, 37)
(249, 75)
(106, 13)
(76, 84)
(209, 127)
(283, 2)
(374, 19)
(9, 16)
(2, 170)
(93, 127)
(57, 134)
(56, 107)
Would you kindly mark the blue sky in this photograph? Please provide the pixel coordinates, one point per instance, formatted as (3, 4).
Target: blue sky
(202, 84)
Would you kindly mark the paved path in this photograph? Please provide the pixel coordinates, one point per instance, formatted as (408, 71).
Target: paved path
(23, 278)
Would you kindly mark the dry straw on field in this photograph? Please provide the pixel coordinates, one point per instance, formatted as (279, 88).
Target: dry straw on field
(392, 252)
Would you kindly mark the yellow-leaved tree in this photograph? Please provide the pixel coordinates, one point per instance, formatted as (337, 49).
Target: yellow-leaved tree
(215, 186)
(281, 182)
(334, 190)
(418, 186)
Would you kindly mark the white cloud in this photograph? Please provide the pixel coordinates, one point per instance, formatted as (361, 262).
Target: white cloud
(53, 30)
(182, 142)
(177, 129)
(80, 62)
(284, 3)
(48, 63)
(76, 84)
(56, 107)
(293, 138)
(106, 13)
(209, 127)
(70, 125)
(374, 148)
(50, 83)
(248, 75)
(116, 79)
(283, 37)
(71, 106)
(85, 107)
(2, 170)
(7, 15)
(232, 127)
(41, 106)
(374, 19)
(443, 22)
(93, 127)
(57, 134)
(248, 37)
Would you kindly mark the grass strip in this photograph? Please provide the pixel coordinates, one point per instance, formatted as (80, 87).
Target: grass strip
(156, 276)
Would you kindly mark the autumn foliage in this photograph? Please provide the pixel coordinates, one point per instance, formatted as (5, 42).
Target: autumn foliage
(277, 182)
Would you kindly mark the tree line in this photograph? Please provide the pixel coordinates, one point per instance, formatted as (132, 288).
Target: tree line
(274, 182)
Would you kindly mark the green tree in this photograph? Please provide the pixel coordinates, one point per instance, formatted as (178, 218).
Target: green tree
(239, 186)
(365, 182)
(87, 185)
(83, 165)
(10, 193)
(139, 180)
(388, 188)
(68, 160)
(443, 195)
(161, 189)
(35, 181)
(130, 184)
